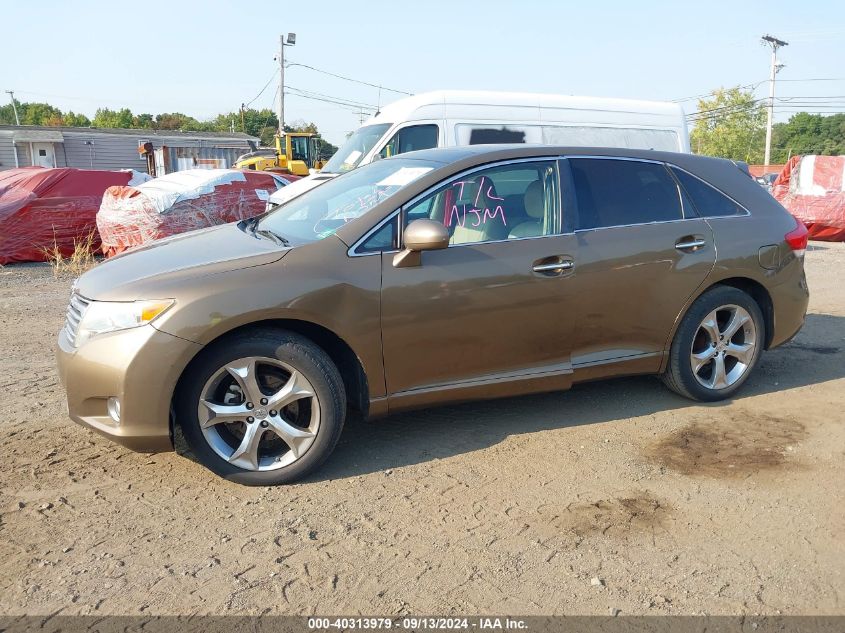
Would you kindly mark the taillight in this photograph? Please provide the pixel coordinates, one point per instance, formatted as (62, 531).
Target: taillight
(797, 239)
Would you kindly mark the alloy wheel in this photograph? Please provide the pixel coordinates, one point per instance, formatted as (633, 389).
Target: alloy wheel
(259, 413)
(724, 347)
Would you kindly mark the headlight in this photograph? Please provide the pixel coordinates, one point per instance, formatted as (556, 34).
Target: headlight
(109, 316)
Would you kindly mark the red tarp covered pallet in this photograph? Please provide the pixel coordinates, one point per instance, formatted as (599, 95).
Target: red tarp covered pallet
(812, 188)
(181, 201)
(42, 209)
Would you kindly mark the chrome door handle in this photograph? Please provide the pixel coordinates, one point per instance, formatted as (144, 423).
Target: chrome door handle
(691, 244)
(553, 267)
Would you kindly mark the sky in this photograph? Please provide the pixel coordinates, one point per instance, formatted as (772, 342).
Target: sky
(203, 58)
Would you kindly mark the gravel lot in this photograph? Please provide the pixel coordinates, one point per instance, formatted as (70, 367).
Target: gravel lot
(615, 495)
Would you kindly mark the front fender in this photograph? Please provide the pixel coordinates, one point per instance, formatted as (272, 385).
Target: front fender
(317, 283)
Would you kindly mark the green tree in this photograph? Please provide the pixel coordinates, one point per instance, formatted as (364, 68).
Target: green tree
(104, 117)
(41, 114)
(806, 133)
(730, 124)
(178, 121)
(7, 113)
(144, 121)
(261, 123)
(71, 119)
(301, 126)
(325, 149)
(38, 113)
(55, 120)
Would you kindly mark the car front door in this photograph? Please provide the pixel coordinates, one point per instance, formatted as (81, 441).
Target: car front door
(489, 315)
(642, 252)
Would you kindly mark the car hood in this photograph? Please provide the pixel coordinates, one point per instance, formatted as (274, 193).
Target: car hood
(148, 271)
(298, 187)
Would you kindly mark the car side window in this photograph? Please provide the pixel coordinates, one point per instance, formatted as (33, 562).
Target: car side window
(383, 239)
(410, 139)
(617, 192)
(708, 201)
(505, 202)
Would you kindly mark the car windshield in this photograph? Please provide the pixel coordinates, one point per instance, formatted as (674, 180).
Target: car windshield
(318, 213)
(355, 148)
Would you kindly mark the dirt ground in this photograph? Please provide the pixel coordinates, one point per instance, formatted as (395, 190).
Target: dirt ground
(616, 495)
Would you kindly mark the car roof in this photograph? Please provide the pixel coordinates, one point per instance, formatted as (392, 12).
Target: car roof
(467, 156)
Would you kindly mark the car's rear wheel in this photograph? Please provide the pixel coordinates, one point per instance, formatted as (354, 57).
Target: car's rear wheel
(717, 345)
(265, 407)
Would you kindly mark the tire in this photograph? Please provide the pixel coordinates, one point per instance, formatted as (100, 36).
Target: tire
(701, 337)
(244, 441)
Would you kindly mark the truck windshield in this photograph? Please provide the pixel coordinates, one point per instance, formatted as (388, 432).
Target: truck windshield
(318, 213)
(355, 148)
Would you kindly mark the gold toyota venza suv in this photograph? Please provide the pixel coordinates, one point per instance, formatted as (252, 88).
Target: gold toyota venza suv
(432, 277)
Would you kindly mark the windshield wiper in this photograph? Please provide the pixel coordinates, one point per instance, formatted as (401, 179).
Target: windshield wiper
(250, 226)
(271, 236)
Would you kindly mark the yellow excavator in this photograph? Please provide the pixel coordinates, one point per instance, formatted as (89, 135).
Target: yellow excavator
(299, 155)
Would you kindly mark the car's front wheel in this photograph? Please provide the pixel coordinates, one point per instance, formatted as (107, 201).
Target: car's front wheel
(716, 346)
(261, 408)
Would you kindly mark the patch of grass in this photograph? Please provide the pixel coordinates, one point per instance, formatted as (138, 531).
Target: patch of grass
(81, 259)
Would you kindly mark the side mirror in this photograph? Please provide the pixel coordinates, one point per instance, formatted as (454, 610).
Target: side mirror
(419, 236)
(426, 235)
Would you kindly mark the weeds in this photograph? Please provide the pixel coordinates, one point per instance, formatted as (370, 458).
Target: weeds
(82, 259)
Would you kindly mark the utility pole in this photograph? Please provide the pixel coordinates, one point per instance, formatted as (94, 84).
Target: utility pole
(775, 43)
(14, 107)
(291, 41)
(281, 86)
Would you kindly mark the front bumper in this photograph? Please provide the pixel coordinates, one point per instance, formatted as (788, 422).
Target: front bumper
(140, 367)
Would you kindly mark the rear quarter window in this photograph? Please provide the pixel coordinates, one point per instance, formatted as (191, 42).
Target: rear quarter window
(708, 201)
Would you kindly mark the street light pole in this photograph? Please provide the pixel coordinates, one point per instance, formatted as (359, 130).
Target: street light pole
(282, 43)
(14, 107)
(281, 85)
(775, 43)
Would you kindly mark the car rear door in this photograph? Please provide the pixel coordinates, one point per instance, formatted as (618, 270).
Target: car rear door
(490, 314)
(642, 252)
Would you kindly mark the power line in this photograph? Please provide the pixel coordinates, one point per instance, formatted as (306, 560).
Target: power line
(270, 113)
(813, 97)
(333, 97)
(752, 86)
(785, 103)
(841, 110)
(817, 79)
(318, 97)
(357, 81)
(727, 109)
(756, 84)
(344, 104)
(272, 77)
